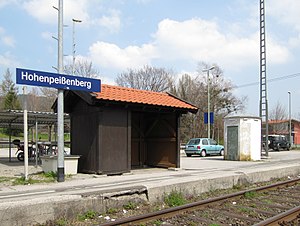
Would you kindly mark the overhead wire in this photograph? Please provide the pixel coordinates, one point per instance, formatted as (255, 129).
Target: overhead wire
(269, 80)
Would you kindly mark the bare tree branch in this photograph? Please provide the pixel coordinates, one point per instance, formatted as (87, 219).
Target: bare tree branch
(146, 78)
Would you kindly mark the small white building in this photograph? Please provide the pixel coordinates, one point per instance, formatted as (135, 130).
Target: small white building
(242, 138)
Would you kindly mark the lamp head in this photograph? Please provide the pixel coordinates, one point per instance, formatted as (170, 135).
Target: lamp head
(208, 69)
(77, 21)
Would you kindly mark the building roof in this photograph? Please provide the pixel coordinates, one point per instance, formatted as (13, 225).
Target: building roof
(130, 95)
(15, 118)
(282, 121)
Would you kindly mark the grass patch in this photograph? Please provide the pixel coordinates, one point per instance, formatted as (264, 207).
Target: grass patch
(251, 194)
(50, 174)
(175, 198)
(157, 222)
(87, 215)
(130, 206)
(61, 222)
(23, 181)
(6, 179)
(111, 211)
(245, 210)
(49, 177)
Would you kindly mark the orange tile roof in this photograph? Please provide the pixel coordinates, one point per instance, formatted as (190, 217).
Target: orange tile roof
(130, 95)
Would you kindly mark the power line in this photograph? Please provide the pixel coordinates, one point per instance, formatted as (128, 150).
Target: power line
(270, 80)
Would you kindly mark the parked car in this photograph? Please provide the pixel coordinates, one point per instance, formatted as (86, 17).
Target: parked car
(277, 142)
(203, 147)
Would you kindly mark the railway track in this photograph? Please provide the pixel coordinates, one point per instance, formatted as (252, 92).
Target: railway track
(276, 204)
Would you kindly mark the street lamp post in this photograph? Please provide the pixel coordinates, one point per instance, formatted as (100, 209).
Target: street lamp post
(290, 118)
(74, 51)
(208, 101)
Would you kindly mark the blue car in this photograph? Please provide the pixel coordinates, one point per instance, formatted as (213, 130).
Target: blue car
(203, 147)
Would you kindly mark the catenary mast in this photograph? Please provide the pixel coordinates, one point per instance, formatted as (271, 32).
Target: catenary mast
(263, 108)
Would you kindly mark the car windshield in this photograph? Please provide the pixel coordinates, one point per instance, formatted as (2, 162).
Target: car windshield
(194, 141)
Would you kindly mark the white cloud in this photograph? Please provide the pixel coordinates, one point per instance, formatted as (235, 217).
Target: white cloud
(6, 39)
(82, 10)
(201, 40)
(7, 60)
(47, 35)
(111, 56)
(189, 41)
(3, 3)
(44, 12)
(286, 12)
(112, 21)
(143, 1)
(295, 41)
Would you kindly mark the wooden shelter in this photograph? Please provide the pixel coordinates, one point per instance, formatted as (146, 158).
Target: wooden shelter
(120, 128)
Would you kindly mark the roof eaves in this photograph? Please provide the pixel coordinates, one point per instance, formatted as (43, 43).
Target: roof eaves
(173, 95)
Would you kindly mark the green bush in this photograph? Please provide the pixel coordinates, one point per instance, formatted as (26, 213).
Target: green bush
(175, 198)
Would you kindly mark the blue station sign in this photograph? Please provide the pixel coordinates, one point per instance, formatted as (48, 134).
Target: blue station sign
(58, 81)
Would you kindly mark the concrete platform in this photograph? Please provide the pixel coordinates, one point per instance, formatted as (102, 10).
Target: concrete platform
(41, 202)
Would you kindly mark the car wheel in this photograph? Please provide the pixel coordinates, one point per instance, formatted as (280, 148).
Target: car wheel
(222, 152)
(188, 155)
(277, 147)
(203, 153)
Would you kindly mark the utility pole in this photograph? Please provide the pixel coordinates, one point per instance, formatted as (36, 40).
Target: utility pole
(74, 44)
(208, 100)
(60, 100)
(290, 118)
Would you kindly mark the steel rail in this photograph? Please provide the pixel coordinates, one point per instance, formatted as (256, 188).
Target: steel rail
(287, 216)
(192, 206)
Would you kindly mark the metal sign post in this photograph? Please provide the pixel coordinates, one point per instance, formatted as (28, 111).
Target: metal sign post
(25, 135)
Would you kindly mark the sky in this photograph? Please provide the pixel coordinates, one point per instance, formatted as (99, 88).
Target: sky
(174, 34)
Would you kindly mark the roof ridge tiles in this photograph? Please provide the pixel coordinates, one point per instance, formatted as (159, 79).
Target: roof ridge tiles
(131, 95)
(134, 89)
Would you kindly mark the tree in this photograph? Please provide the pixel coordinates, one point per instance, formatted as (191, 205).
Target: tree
(38, 102)
(10, 99)
(49, 94)
(82, 68)
(222, 101)
(191, 90)
(221, 91)
(278, 113)
(146, 78)
(9, 93)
